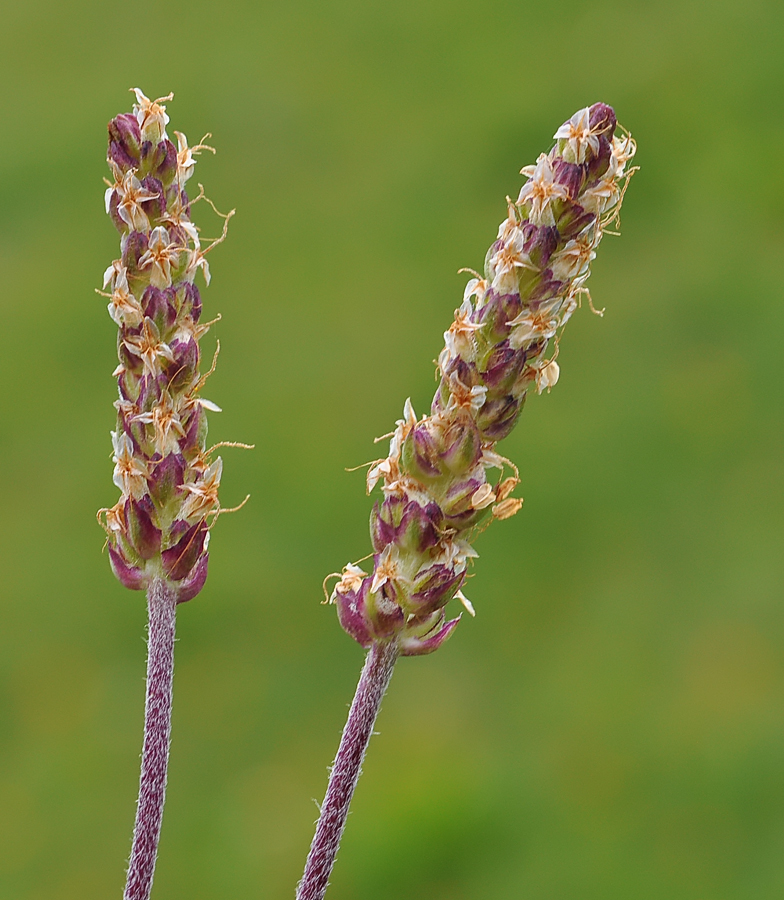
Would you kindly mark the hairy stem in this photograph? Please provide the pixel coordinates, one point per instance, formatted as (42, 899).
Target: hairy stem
(346, 769)
(157, 733)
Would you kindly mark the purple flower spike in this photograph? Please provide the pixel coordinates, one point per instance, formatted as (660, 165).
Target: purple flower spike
(438, 467)
(168, 481)
(436, 478)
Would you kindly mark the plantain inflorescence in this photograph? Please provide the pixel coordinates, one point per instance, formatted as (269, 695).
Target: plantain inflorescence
(168, 479)
(435, 483)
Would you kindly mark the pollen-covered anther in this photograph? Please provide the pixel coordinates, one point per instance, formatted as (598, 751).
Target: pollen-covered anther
(483, 497)
(505, 488)
(160, 256)
(149, 346)
(507, 508)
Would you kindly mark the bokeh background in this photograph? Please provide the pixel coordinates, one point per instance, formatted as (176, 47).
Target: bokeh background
(611, 725)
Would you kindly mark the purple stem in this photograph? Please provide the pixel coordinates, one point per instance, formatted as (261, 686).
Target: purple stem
(346, 769)
(157, 732)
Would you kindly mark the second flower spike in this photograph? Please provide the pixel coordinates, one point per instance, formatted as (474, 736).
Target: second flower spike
(435, 479)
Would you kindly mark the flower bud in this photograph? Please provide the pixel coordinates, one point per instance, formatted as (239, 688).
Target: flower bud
(142, 533)
(132, 577)
(124, 139)
(195, 581)
(414, 645)
(433, 588)
(180, 559)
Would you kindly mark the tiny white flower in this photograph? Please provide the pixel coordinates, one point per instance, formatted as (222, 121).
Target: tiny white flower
(579, 137)
(386, 569)
(186, 156)
(506, 260)
(130, 196)
(383, 468)
(350, 580)
(540, 189)
(454, 553)
(130, 473)
(462, 397)
(483, 496)
(573, 260)
(458, 338)
(151, 116)
(185, 160)
(531, 326)
(601, 196)
(197, 260)
(149, 346)
(114, 270)
(623, 149)
(203, 495)
(124, 308)
(166, 425)
(476, 287)
(160, 255)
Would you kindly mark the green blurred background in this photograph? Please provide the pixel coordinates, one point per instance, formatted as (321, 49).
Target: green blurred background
(611, 724)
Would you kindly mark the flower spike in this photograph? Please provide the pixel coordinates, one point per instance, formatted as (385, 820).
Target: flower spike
(436, 491)
(160, 441)
(434, 481)
(158, 530)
